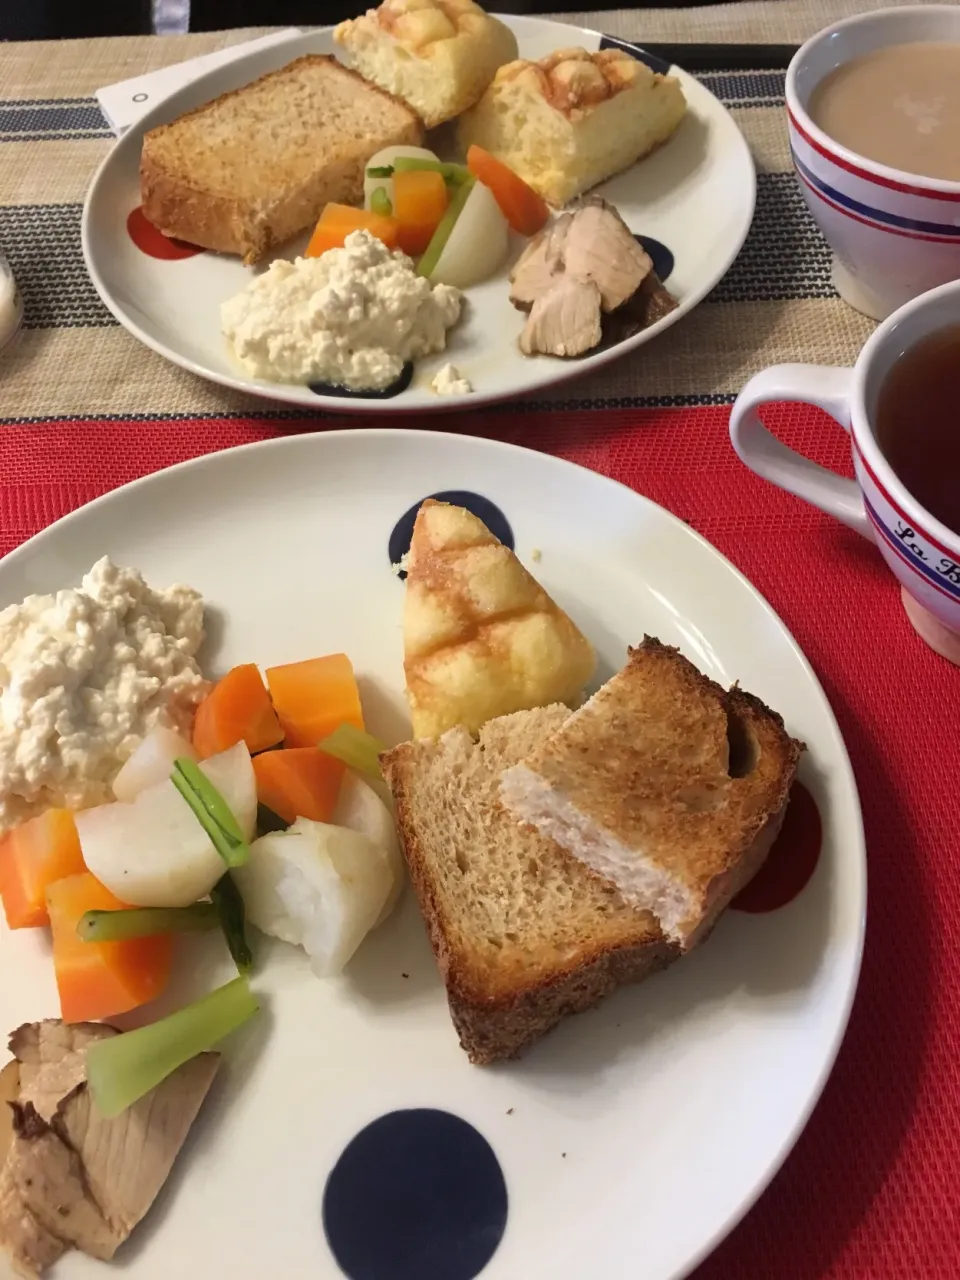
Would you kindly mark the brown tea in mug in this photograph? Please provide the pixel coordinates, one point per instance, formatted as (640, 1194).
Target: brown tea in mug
(899, 106)
(918, 423)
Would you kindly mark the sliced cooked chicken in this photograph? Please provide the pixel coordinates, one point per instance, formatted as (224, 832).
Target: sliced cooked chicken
(540, 264)
(70, 1178)
(9, 1092)
(51, 1057)
(599, 246)
(30, 1246)
(127, 1160)
(48, 1175)
(564, 321)
(586, 255)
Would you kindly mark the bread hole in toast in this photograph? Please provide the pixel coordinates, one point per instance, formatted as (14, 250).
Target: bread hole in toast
(742, 746)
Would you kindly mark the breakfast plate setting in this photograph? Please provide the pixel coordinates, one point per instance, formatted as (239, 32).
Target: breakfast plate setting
(305, 1121)
(435, 845)
(170, 295)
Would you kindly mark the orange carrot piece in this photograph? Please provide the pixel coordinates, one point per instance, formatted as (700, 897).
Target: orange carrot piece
(300, 782)
(312, 698)
(32, 857)
(519, 203)
(237, 709)
(338, 220)
(420, 200)
(101, 979)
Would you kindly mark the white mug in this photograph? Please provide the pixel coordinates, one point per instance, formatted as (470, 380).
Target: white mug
(894, 235)
(923, 554)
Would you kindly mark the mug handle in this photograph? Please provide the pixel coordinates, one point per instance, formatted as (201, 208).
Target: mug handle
(828, 388)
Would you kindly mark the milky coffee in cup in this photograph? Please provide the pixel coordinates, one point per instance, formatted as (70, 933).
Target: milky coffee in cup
(899, 106)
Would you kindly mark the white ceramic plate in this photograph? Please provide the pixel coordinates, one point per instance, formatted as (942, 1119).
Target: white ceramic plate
(695, 196)
(633, 1137)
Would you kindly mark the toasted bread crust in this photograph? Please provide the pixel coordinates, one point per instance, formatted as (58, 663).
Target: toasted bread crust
(179, 205)
(497, 1026)
(497, 1031)
(643, 785)
(504, 997)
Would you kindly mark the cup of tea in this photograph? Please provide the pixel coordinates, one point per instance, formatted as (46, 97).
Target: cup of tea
(873, 107)
(901, 405)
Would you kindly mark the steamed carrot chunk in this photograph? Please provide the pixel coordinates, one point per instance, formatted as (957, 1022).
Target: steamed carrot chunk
(101, 979)
(420, 200)
(519, 203)
(301, 782)
(312, 698)
(237, 709)
(337, 222)
(32, 857)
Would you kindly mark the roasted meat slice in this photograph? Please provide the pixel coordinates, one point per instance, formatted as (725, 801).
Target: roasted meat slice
(70, 1178)
(51, 1058)
(585, 279)
(564, 321)
(537, 268)
(599, 246)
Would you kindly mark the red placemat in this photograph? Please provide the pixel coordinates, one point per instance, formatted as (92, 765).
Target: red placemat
(870, 1192)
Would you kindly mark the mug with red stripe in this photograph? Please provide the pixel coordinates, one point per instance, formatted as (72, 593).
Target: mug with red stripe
(923, 553)
(894, 235)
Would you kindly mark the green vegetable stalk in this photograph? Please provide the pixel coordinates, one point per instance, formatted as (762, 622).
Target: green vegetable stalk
(230, 909)
(146, 922)
(357, 749)
(380, 202)
(125, 1067)
(428, 263)
(381, 171)
(453, 173)
(211, 810)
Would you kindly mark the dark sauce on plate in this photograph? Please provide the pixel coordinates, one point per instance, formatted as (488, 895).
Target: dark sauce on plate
(381, 393)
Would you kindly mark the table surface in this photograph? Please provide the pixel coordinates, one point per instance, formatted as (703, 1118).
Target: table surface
(870, 1191)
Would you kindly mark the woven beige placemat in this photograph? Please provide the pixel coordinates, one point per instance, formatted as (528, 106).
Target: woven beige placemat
(775, 304)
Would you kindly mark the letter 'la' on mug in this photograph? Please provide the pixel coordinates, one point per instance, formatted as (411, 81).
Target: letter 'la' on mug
(922, 553)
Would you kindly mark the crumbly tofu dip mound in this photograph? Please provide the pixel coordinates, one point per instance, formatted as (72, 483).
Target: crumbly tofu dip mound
(85, 674)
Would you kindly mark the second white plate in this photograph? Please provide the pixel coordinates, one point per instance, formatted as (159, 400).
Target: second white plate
(695, 196)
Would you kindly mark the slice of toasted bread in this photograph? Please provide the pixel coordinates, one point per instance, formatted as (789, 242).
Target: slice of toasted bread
(481, 636)
(664, 783)
(437, 55)
(573, 119)
(255, 167)
(523, 933)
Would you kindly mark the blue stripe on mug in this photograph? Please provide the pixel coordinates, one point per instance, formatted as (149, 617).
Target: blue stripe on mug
(932, 575)
(878, 216)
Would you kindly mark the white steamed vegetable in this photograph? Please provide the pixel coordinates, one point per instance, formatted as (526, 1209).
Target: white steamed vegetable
(478, 243)
(152, 762)
(153, 852)
(317, 886)
(384, 160)
(361, 809)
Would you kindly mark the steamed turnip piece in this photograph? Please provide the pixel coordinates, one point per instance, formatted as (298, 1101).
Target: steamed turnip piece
(477, 244)
(153, 852)
(152, 762)
(317, 886)
(361, 809)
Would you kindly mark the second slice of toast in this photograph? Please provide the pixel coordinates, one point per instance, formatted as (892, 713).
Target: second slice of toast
(255, 167)
(669, 786)
(523, 933)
